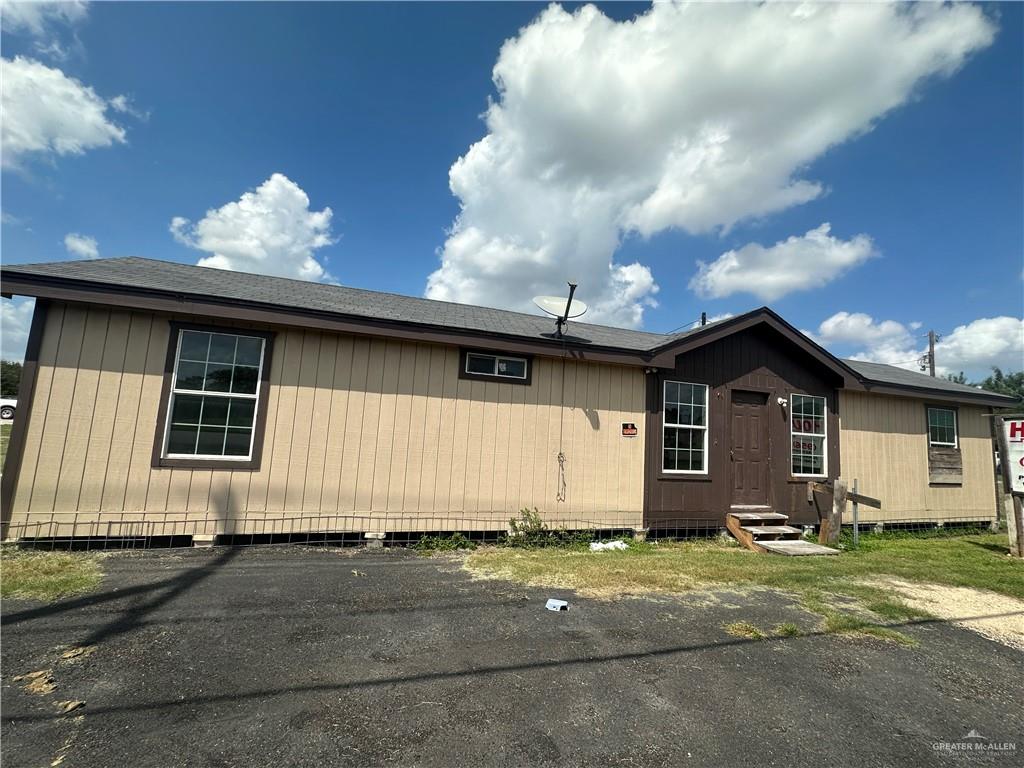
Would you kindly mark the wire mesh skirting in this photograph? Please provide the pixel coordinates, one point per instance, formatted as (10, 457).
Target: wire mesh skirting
(86, 531)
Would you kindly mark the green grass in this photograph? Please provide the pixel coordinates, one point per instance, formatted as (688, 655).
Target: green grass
(47, 575)
(832, 587)
(5, 438)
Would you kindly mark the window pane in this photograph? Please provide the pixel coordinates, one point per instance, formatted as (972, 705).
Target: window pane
(242, 412)
(513, 368)
(211, 441)
(194, 345)
(671, 436)
(698, 416)
(218, 378)
(480, 364)
(182, 439)
(671, 413)
(222, 348)
(190, 375)
(671, 392)
(669, 460)
(248, 350)
(215, 411)
(699, 395)
(237, 443)
(245, 380)
(186, 409)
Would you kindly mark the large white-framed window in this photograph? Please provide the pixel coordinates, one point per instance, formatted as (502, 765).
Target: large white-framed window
(214, 396)
(685, 428)
(808, 427)
(942, 427)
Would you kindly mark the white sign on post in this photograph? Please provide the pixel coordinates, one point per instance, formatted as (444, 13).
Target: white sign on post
(1014, 458)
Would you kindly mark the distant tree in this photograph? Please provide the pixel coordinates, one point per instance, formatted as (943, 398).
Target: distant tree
(1006, 383)
(10, 378)
(957, 378)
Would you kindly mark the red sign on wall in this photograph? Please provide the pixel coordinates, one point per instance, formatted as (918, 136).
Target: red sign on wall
(629, 429)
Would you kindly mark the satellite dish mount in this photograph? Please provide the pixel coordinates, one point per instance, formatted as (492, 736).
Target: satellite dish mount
(554, 305)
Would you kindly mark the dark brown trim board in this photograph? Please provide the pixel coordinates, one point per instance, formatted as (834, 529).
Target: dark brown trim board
(464, 374)
(259, 429)
(22, 414)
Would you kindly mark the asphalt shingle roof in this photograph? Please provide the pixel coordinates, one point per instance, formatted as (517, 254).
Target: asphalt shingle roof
(135, 272)
(890, 374)
(149, 274)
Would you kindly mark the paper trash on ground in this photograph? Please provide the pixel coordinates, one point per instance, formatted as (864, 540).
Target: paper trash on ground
(556, 605)
(602, 546)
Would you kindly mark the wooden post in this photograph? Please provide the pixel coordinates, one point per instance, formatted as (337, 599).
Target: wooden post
(833, 521)
(856, 522)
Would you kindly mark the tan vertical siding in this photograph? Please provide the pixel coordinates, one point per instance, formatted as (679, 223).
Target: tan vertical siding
(884, 444)
(384, 434)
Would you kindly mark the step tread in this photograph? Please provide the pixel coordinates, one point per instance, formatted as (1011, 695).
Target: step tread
(769, 529)
(758, 516)
(796, 548)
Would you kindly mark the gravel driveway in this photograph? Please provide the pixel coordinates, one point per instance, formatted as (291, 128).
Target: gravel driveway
(301, 656)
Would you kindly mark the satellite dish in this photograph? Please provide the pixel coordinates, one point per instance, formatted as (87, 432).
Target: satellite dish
(562, 309)
(555, 305)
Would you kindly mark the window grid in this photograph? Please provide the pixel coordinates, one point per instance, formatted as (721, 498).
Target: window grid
(496, 365)
(942, 427)
(808, 431)
(684, 428)
(221, 411)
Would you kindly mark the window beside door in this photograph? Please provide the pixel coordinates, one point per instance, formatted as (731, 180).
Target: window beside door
(685, 428)
(808, 430)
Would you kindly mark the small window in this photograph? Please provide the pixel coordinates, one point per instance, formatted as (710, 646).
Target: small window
(498, 366)
(808, 429)
(685, 428)
(942, 427)
(214, 396)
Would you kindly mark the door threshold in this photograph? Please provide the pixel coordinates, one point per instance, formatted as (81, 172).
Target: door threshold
(750, 506)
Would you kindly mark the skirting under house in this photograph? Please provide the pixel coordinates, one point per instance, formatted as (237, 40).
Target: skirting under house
(159, 399)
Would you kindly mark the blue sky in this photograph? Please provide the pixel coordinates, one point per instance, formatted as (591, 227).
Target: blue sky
(365, 108)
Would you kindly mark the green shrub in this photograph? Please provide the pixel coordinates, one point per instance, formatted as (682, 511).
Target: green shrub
(531, 531)
(444, 543)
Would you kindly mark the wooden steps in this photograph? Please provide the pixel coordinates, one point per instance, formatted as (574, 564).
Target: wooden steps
(766, 532)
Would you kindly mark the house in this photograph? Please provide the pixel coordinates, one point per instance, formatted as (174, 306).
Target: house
(165, 399)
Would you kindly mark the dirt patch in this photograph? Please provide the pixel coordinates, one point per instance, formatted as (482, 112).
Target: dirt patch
(997, 617)
(39, 683)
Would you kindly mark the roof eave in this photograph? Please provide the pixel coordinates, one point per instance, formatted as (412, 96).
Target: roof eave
(130, 297)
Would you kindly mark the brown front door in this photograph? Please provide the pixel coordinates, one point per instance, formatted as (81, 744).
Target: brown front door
(748, 449)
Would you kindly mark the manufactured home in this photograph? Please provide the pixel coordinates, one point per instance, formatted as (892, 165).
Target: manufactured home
(162, 399)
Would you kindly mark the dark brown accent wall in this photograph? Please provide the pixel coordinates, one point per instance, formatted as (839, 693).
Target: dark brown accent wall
(759, 359)
(19, 429)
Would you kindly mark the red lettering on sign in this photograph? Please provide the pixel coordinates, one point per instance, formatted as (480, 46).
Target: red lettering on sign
(1017, 431)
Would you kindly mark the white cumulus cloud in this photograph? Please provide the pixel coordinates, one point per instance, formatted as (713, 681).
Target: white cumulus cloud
(270, 230)
(15, 321)
(47, 113)
(973, 348)
(83, 246)
(795, 264)
(693, 117)
(36, 18)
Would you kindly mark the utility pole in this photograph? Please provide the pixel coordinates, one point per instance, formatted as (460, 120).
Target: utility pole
(931, 353)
